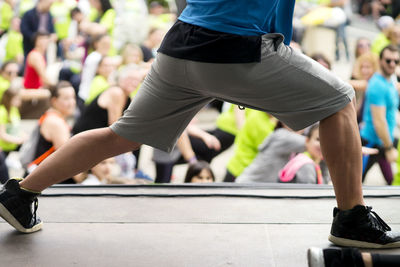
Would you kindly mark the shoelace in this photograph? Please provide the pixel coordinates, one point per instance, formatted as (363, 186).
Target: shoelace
(376, 221)
(35, 207)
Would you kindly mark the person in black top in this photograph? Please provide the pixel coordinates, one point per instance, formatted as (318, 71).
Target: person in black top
(106, 108)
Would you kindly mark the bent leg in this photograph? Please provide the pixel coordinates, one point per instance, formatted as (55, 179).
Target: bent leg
(80, 153)
(341, 147)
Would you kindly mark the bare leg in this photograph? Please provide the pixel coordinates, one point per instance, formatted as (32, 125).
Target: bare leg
(341, 147)
(80, 153)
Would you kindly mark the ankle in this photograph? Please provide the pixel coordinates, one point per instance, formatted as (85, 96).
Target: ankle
(27, 188)
(350, 205)
(367, 258)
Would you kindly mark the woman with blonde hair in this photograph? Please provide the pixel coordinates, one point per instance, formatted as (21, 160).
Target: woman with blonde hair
(366, 65)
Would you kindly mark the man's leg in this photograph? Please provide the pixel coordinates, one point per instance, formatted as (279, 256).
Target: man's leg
(18, 200)
(354, 224)
(341, 147)
(79, 154)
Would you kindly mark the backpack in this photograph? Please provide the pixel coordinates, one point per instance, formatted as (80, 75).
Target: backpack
(288, 173)
(28, 149)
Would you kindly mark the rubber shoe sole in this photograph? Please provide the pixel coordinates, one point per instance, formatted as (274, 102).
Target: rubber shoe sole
(315, 257)
(344, 242)
(8, 217)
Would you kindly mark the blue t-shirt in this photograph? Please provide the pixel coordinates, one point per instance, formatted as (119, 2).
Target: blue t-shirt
(383, 93)
(242, 17)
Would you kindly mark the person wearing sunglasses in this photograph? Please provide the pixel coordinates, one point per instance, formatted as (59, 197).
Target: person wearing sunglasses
(381, 104)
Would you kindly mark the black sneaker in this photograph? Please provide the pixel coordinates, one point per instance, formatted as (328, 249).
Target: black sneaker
(334, 257)
(361, 227)
(16, 207)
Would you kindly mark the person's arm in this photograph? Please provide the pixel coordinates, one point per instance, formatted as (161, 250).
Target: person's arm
(92, 28)
(240, 117)
(185, 148)
(337, 3)
(114, 101)
(210, 140)
(359, 85)
(382, 130)
(35, 59)
(29, 94)
(10, 138)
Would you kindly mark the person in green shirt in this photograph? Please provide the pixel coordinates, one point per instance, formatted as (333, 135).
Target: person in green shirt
(10, 120)
(14, 47)
(101, 81)
(396, 178)
(6, 14)
(101, 19)
(257, 126)
(9, 71)
(60, 10)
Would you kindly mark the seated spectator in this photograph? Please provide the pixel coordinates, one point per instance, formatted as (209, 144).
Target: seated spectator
(101, 45)
(6, 15)
(159, 17)
(133, 54)
(387, 37)
(272, 156)
(194, 143)
(102, 79)
(107, 107)
(256, 128)
(200, 144)
(10, 133)
(306, 167)
(60, 11)
(199, 172)
(54, 130)
(102, 173)
(100, 21)
(384, 24)
(363, 46)
(11, 136)
(35, 76)
(13, 48)
(152, 43)
(9, 71)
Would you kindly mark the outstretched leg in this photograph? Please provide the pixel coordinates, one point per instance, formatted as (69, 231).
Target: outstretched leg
(80, 153)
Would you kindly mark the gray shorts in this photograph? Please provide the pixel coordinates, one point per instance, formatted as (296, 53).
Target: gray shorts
(286, 84)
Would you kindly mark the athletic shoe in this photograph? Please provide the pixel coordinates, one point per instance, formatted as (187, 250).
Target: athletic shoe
(16, 207)
(334, 257)
(361, 227)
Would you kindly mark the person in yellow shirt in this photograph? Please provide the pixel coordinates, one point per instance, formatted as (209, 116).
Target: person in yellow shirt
(9, 71)
(101, 82)
(10, 135)
(14, 48)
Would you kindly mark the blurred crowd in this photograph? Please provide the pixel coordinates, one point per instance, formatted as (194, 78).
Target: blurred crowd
(75, 65)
